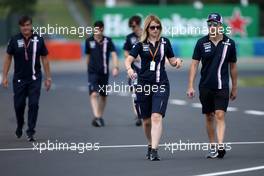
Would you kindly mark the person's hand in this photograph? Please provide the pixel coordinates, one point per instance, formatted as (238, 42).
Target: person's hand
(5, 82)
(48, 83)
(178, 63)
(190, 93)
(115, 71)
(233, 93)
(131, 74)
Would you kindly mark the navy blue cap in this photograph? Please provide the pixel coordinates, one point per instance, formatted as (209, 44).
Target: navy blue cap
(215, 17)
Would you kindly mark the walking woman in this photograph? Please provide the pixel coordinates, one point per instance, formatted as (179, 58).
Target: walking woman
(153, 89)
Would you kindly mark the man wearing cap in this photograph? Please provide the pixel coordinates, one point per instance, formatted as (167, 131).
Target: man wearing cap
(27, 50)
(217, 52)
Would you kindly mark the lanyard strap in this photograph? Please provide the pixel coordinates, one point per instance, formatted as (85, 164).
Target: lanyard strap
(25, 48)
(155, 53)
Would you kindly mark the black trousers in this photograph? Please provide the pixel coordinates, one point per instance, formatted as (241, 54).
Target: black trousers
(22, 90)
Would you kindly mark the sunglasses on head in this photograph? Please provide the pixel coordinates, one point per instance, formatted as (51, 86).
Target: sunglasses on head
(155, 27)
(212, 23)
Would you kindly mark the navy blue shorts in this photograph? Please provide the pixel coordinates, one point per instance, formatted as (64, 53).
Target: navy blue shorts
(97, 83)
(213, 99)
(153, 101)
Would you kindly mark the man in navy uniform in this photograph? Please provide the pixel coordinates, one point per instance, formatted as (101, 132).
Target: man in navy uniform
(217, 52)
(27, 50)
(131, 39)
(98, 49)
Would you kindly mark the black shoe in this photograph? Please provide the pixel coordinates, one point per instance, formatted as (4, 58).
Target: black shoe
(138, 122)
(154, 155)
(96, 122)
(102, 122)
(31, 139)
(148, 152)
(221, 153)
(213, 153)
(19, 132)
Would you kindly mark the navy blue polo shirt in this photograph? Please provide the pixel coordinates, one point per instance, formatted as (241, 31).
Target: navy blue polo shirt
(215, 61)
(26, 54)
(142, 49)
(99, 54)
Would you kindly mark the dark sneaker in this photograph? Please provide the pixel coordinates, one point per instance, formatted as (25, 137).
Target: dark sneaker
(19, 132)
(154, 155)
(221, 152)
(138, 122)
(102, 122)
(148, 152)
(212, 153)
(96, 122)
(31, 139)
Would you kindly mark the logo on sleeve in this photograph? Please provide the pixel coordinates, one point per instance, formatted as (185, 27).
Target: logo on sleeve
(207, 47)
(133, 40)
(20, 43)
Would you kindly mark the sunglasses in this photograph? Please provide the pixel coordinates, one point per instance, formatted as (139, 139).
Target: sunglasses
(155, 27)
(212, 23)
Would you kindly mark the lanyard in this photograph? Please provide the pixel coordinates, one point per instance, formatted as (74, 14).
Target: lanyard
(155, 53)
(25, 48)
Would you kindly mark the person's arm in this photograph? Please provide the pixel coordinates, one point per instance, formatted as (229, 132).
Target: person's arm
(175, 62)
(134, 53)
(46, 66)
(115, 70)
(126, 53)
(6, 68)
(233, 70)
(197, 56)
(233, 74)
(128, 61)
(115, 61)
(87, 59)
(192, 75)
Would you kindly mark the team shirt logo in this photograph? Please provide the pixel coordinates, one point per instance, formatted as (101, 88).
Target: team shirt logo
(145, 47)
(207, 47)
(92, 44)
(20, 43)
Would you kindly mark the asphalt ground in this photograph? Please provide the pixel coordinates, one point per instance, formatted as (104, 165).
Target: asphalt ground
(65, 116)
